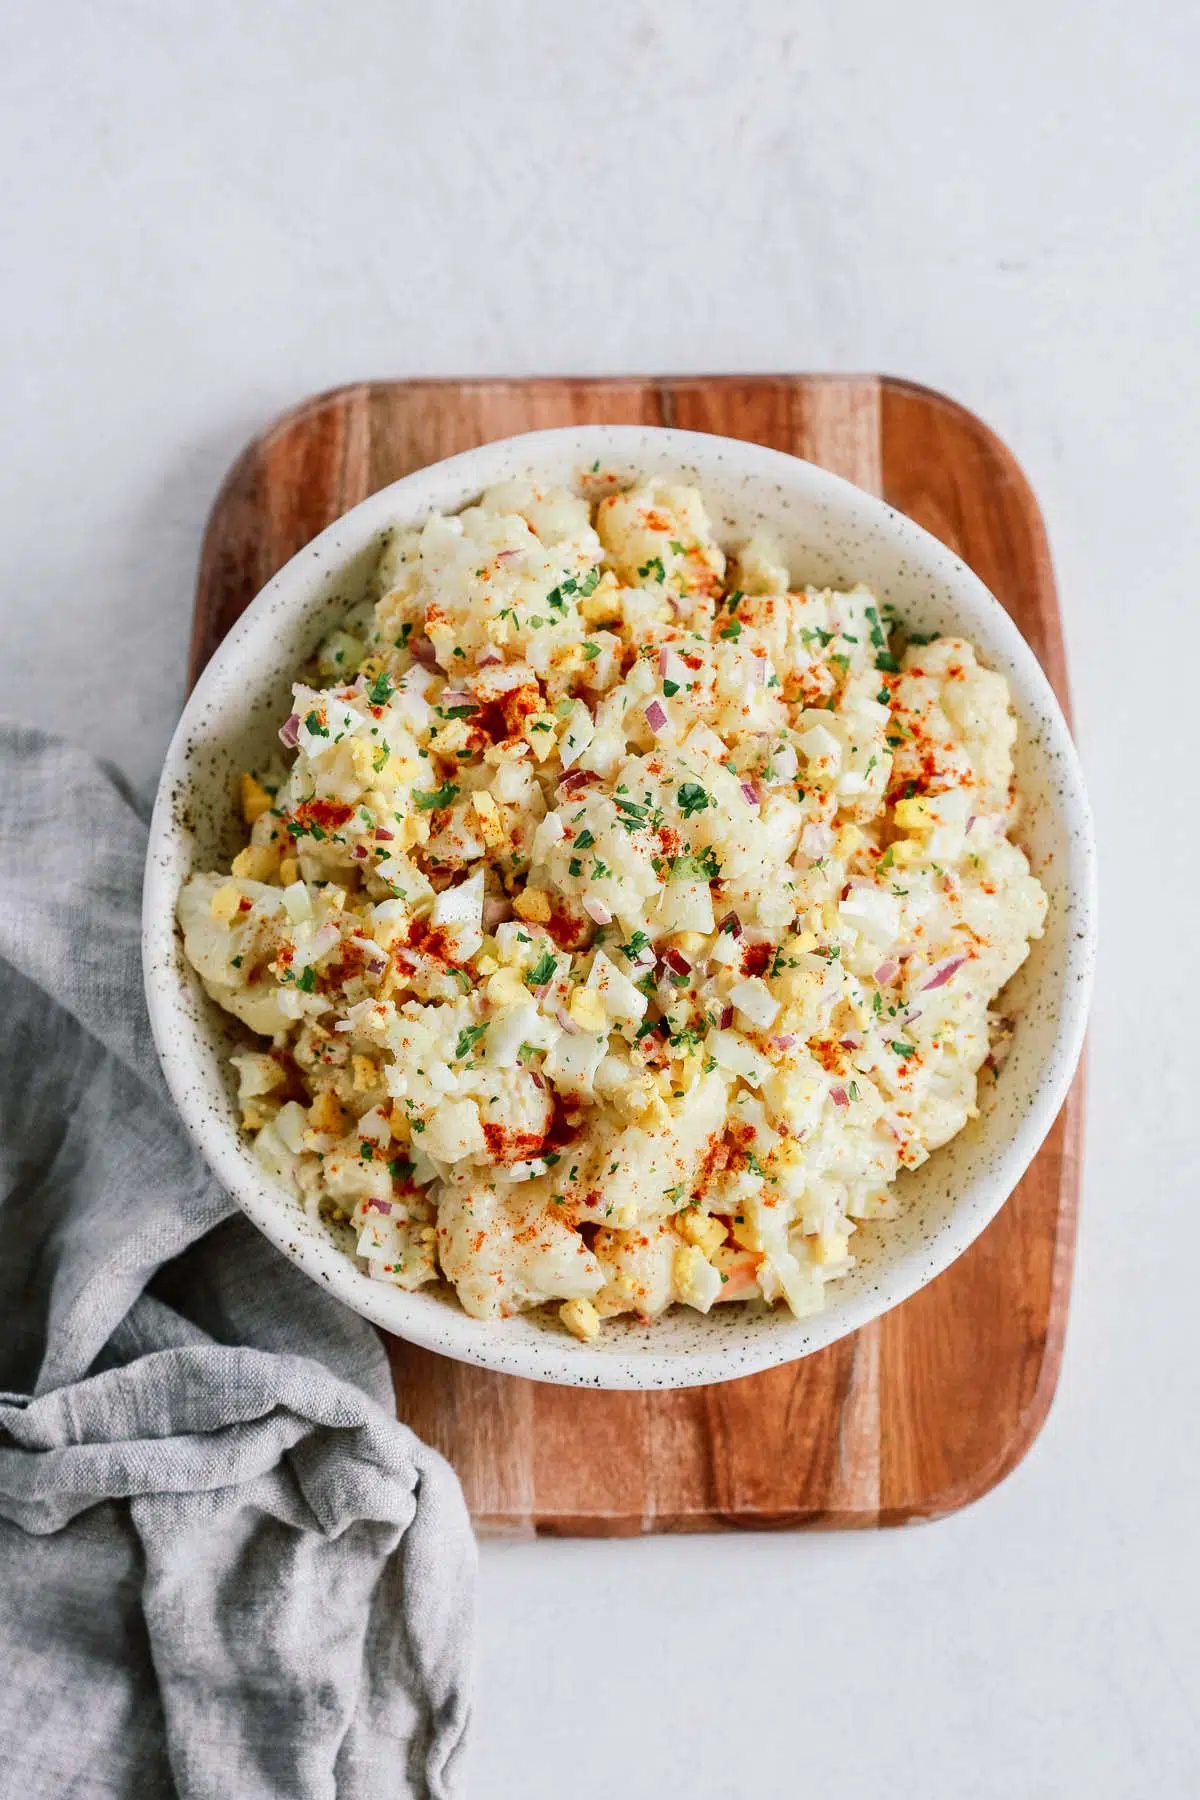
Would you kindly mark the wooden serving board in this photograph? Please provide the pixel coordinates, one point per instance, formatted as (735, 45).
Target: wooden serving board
(928, 1407)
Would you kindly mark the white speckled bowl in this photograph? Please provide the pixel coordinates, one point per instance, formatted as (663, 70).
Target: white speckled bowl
(830, 532)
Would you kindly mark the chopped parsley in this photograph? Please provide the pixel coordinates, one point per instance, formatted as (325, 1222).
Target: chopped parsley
(306, 981)
(637, 943)
(877, 637)
(591, 651)
(653, 567)
(542, 970)
(904, 1049)
(701, 863)
(430, 799)
(692, 798)
(381, 689)
(313, 723)
(585, 840)
(733, 630)
(467, 1039)
(670, 689)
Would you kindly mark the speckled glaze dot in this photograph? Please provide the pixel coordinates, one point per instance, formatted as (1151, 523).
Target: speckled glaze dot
(830, 533)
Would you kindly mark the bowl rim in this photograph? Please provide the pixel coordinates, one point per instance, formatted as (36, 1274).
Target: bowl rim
(447, 1329)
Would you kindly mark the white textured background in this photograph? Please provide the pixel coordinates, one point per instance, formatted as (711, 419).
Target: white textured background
(211, 210)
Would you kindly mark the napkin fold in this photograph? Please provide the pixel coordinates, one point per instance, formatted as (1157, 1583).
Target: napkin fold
(225, 1569)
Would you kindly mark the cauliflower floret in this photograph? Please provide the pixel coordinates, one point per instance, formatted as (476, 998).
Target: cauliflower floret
(637, 1267)
(489, 581)
(660, 534)
(509, 1248)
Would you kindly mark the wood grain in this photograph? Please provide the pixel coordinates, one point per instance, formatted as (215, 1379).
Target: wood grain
(925, 1409)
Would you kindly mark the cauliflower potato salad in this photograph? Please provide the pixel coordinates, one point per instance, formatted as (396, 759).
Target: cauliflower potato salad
(617, 920)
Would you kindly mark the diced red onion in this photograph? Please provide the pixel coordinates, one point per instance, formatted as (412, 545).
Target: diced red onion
(289, 732)
(565, 1020)
(359, 852)
(758, 670)
(489, 654)
(839, 1096)
(663, 655)
(503, 555)
(732, 924)
(674, 959)
(887, 972)
(785, 1040)
(381, 831)
(942, 973)
(455, 697)
(850, 1043)
(750, 793)
(538, 1079)
(575, 778)
(374, 955)
(379, 1206)
(656, 717)
(726, 1018)
(598, 912)
(323, 941)
(423, 650)
(969, 823)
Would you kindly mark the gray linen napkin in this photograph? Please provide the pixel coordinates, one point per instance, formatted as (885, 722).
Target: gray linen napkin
(225, 1569)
